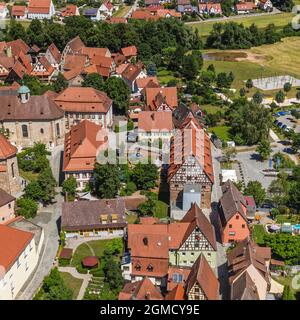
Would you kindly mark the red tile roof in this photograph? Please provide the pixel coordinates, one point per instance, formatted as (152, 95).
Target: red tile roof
(92, 52)
(163, 13)
(12, 243)
(243, 6)
(155, 121)
(129, 51)
(145, 82)
(82, 146)
(18, 46)
(69, 10)
(18, 11)
(155, 96)
(143, 15)
(39, 6)
(177, 293)
(55, 52)
(6, 148)
(131, 71)
(204, 276)
(116, 20)
(140, 290)
(83, 100)
(176, 270)
(195, 142)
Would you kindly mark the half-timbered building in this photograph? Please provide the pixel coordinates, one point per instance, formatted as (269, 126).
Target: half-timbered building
(202, 283)
(190, 164)
(192, 236)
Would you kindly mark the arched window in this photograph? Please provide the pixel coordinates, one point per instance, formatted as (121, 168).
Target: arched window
(25, 131)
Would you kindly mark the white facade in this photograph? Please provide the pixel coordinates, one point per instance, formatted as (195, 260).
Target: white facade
(15, 278)
(105, 12)
(3, 12)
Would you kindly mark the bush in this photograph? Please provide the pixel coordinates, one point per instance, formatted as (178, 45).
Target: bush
(62, 262)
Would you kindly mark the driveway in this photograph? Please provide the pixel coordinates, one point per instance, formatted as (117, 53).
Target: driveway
(49, 219)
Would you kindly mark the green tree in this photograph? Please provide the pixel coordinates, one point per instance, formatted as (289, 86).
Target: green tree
(118, 91)
(249, 84)
(54, 288)
(257, 97)
(145, 176)
(287, 87)
(255, 189)
(148, 208)
(93, 80)
(106, 180)
(69, 187)
(296, 142)
(60, 83)
(14, 31)
(287, 294)
(34, 191)
(47, 183)
(264, 149)
(191, 65)
(113, 275)
(294, 196)
(242, 92)
(26, 207)
(280, 97)
(250, 122)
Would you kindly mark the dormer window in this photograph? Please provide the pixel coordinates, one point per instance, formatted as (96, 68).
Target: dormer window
(150, 267)
(138, 267)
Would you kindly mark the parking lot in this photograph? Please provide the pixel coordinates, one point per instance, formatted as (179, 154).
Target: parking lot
(290, 122)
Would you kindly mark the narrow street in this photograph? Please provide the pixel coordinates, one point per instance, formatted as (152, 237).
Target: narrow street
(222, 269)
(49, 219)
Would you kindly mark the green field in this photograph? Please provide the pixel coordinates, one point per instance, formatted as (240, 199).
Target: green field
(279, 20)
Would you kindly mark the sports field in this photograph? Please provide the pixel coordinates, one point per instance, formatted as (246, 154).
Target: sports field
(281, 58)
(262, 21)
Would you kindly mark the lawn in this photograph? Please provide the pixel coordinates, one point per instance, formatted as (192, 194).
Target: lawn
(131, 218)
(279, 20)
(221, 131)
(258, 233)
(209, 108)
(28, 175)
(122, 12)
(72, 283)
(84, 250)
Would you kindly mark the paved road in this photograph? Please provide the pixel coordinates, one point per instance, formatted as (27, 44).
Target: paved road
(275, 11)
(49, 220)
(222, 269)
